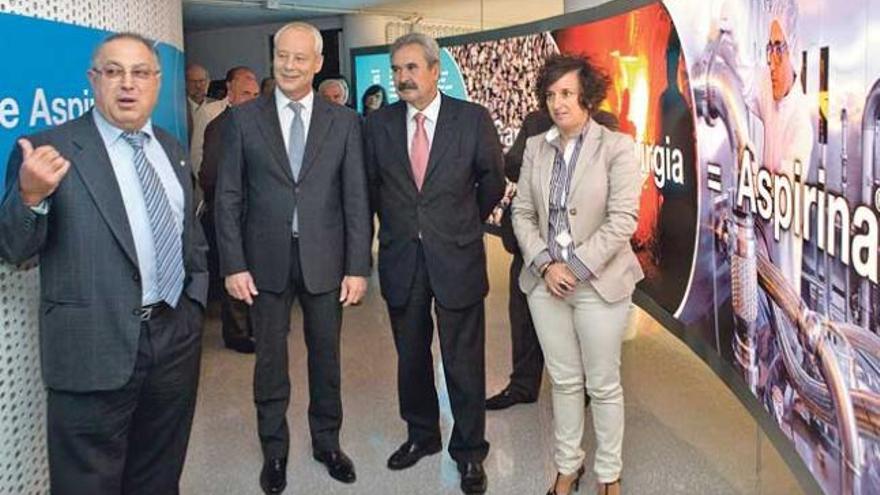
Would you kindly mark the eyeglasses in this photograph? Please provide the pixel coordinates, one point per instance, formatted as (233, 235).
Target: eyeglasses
(117, 73)
(777, 49)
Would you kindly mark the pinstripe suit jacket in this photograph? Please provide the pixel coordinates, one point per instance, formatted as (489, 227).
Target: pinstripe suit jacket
(89, 279)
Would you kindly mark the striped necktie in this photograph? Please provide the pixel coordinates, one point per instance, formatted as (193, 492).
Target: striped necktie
(166, 237)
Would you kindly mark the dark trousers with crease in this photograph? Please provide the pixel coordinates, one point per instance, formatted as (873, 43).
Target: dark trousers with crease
(322, 322)
(462, 346)
(131, 440)
(528, 360)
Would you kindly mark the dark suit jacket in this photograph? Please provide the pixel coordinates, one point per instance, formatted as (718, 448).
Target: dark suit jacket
(256, 194)
(212, 151)
(463, 183)
(89, 279)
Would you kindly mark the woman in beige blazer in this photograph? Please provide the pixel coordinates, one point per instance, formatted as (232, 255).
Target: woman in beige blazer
(574, 213)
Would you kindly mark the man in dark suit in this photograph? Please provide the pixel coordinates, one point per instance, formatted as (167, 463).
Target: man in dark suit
(106, 202)
(241, 87)
(527, 359)
(293, 222)
(435, 170)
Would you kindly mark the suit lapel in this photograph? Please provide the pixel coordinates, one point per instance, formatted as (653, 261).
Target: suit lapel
(92, 162)
(444, 134)
(546, 159)
(271, 130)
(397, 131)
(319, 124)
(587, 155)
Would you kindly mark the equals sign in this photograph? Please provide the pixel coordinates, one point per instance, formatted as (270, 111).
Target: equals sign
(713, 176)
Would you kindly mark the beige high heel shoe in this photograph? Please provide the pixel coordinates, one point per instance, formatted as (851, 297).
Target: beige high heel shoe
(612, 488)
(575, 485)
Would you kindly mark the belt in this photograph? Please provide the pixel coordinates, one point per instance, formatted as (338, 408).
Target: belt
(147, 313)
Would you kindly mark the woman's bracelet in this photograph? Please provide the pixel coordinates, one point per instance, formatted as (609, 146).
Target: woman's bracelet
(544, 268)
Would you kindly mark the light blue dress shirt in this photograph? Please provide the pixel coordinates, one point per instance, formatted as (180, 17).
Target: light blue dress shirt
(122, 157)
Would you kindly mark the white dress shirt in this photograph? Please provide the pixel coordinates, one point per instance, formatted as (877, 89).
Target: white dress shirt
(285, 118)
(430, 112)
(122, 158)
(201, 118)
(285, 114)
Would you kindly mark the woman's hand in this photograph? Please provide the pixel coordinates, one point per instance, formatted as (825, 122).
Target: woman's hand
(560, 280)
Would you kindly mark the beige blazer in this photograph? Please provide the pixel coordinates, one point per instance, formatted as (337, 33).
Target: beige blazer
(603, 209)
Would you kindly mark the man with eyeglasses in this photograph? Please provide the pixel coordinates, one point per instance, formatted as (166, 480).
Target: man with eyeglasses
(106, 202)
(197, 81)
(779, 102)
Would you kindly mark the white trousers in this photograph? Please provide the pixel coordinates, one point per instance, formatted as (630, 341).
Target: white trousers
(581, 337)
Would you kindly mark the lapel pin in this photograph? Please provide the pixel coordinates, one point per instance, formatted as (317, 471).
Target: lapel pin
(182, 163)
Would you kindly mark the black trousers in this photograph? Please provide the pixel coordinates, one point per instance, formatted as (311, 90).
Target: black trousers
(131, 440)
(462, 335)
(233, 313)
(322, 322)
(528, 360)
(234, 317)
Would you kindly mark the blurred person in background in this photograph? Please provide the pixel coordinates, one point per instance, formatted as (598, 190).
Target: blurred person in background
(237, 334)
(334, 90)
(374, 98)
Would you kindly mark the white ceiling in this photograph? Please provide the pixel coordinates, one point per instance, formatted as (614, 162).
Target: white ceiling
(200, 15)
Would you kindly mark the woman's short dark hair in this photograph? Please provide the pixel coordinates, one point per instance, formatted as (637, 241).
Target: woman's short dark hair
(372, 90)
(594, 82)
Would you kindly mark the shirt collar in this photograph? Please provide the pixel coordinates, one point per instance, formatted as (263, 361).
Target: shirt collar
(194, 104)
(110, 133)
(553, 136)
(282, 101)
(430, 112)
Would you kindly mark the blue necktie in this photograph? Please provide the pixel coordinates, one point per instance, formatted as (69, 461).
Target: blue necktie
(166, 238)
(295, 150)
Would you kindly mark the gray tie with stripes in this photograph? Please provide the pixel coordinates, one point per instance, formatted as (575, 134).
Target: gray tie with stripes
(166, 238)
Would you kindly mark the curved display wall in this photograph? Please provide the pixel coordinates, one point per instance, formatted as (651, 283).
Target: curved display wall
(47, 47)
(756, 123)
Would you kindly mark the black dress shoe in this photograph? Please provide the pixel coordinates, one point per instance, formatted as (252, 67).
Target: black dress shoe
(273, 478)
(411, 451)
(338, 465)
(473, 478)
(243, 345)
(505, 399)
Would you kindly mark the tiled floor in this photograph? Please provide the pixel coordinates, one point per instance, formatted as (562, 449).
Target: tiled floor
(685, 431)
